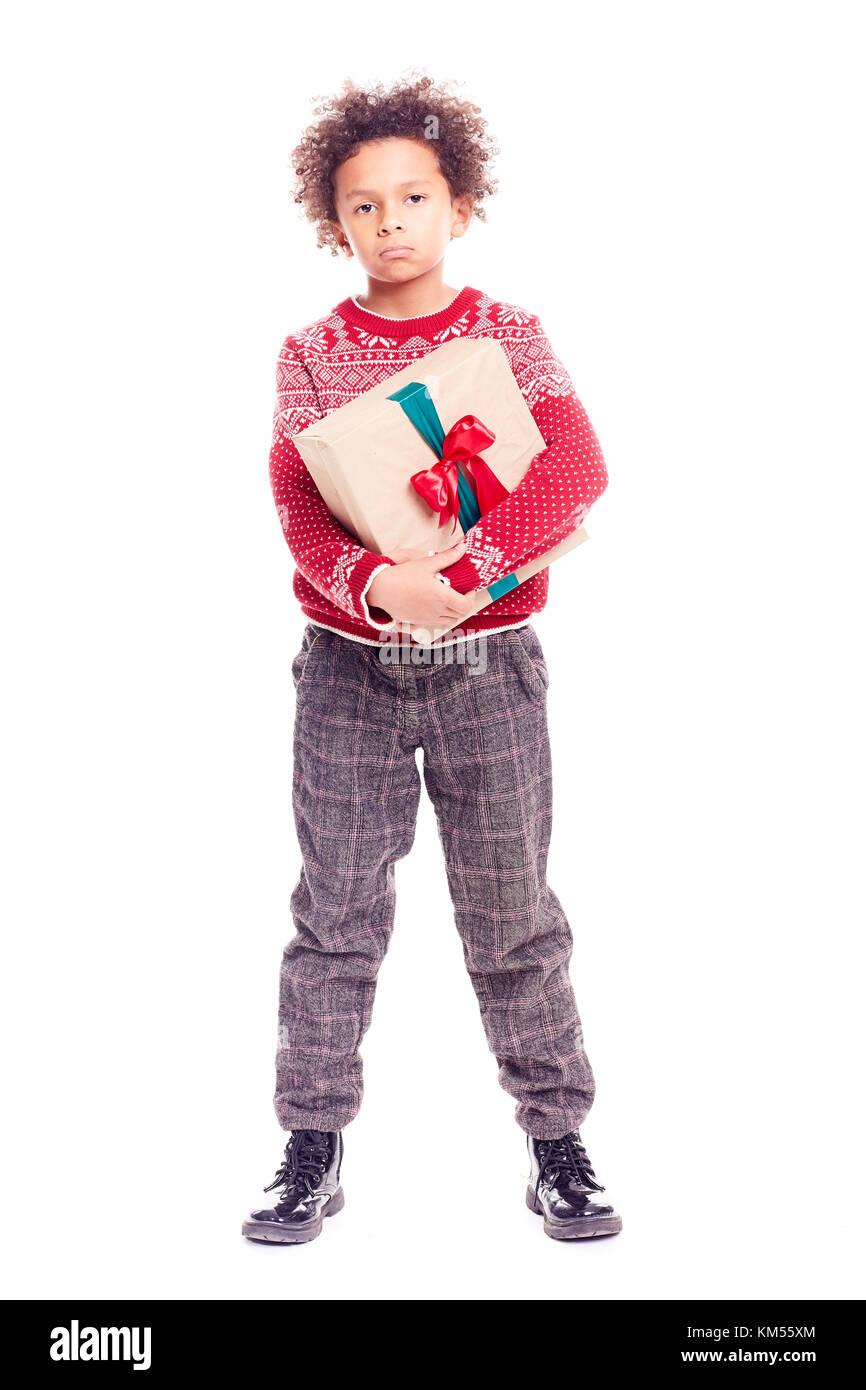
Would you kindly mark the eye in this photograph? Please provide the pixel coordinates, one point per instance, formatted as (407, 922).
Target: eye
(362, 206)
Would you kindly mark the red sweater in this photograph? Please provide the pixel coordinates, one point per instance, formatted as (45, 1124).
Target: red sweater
(334, 359)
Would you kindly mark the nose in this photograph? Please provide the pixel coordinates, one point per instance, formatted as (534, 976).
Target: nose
(389, 222)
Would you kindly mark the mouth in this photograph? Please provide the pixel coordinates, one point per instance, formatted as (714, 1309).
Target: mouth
(392, 252)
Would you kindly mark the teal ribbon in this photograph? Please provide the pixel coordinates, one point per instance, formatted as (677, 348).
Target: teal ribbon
(501, 586)
(418, 404)
(416, 401)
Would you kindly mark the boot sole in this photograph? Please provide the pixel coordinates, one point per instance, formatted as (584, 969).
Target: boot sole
(268, 1233)
(581, 1228)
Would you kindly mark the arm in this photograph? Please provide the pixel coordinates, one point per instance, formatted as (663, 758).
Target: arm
(561, 484)
(326, 554)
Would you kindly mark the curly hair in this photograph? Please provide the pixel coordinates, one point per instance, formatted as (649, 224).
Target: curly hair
(413, 108)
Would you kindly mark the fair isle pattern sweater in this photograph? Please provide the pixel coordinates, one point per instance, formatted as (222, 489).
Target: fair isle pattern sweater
(335, 358)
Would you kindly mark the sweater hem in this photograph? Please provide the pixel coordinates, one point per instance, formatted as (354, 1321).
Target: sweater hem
(445, 641)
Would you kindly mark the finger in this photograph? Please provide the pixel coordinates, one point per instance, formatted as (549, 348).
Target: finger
(444, 558)
(462, 607)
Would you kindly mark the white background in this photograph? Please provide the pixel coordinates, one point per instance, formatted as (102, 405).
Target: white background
(680, 202)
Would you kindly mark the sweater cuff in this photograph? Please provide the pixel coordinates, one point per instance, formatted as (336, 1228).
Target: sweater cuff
(462, 575)
(361, 578)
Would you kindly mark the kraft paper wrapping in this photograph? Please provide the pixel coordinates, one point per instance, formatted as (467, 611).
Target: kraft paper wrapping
(362, 456)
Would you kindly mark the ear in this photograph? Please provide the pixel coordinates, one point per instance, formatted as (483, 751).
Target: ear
(340, 238)
(461, 215)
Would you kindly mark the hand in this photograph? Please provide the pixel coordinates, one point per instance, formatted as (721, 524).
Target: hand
(410, 591)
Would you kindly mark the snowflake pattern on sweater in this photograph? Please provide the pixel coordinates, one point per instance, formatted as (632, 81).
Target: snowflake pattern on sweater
(329, 362)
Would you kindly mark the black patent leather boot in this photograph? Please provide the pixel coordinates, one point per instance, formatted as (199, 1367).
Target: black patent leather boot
(563, 1190)
(310, 1180)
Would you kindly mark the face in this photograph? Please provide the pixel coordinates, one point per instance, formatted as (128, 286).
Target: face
(390, 195)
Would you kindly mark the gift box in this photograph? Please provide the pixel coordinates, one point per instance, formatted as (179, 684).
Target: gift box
(462, 397)
(417, 459)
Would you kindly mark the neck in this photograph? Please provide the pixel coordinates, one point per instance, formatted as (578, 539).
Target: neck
(423, 295)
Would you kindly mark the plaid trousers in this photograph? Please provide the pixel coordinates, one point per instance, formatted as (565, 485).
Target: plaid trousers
(481, 721)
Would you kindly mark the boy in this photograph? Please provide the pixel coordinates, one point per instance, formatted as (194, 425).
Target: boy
(390, 178)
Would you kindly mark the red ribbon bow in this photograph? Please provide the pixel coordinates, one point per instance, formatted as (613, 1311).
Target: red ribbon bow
(438, 484)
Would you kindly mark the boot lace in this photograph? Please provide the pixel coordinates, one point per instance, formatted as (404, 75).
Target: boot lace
(565, 1157)
(308, 1154)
